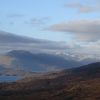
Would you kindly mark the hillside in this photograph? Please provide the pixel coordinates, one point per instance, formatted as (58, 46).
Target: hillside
(81, 83)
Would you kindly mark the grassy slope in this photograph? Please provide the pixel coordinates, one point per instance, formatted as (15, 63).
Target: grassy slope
(65, 86)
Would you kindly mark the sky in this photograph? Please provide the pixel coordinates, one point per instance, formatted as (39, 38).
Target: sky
(32, 18)
(72, 23)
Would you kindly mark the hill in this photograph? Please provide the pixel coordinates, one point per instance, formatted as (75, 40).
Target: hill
(25, 61)
(81, 83)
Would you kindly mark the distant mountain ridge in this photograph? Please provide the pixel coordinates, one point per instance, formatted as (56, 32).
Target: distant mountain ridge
(28, 62)
(89, 70)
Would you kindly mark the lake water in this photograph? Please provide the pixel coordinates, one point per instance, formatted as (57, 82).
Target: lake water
(9, 78)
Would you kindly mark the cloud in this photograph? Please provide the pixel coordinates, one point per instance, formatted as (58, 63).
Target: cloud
(15, 15)
(6, 37)
(82, 8)
(84, 30)
(72, 51)
(10, 41)
(38, 22)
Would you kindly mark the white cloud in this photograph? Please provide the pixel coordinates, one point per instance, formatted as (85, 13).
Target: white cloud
(81, 8)
(84, 7)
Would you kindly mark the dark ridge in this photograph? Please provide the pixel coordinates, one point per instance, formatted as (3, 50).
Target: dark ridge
(19, 53)
(90, 68)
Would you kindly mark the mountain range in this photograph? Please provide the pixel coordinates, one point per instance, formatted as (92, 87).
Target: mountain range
(20, 62)
(42, 76)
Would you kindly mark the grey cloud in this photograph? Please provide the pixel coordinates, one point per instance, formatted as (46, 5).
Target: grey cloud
(10, 41)
(35, 48)
(84, 30)
(6, 37)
